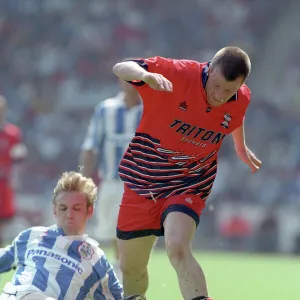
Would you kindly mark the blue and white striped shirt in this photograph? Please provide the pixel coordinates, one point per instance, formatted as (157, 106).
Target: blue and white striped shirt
(63, 267)
(111, 129)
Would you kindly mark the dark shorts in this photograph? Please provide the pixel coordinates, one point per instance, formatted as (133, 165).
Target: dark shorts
(139, 217)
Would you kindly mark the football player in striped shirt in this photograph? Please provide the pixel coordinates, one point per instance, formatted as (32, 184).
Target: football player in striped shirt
(61, 261)
(171, 163)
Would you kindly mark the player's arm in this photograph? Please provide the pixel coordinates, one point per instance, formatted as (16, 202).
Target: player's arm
(108, 285)
(105, 289)
(18, 154)
(9, 254)
(88, 161)
(242, 151)
(18, 151)
(91, 146)
(238, 136)
(7, 258)
(133, 72)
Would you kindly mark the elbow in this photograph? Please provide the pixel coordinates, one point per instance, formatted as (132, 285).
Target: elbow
(116, 69)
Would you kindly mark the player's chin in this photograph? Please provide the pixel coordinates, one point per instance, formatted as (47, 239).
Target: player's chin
(70, 229)
(215, 104)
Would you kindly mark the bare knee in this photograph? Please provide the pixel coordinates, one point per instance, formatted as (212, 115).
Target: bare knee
(130, 268)
(178, 249)
(179, 232)
(132, 265)
(134, 255)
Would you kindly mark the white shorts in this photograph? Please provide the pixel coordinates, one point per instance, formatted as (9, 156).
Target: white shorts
(107, 210)
(36, 296)
(11, 292)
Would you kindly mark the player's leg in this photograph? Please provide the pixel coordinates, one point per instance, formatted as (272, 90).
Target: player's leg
(138, 223)
(179, 232)
(180, 218)
(106, 212)
(114, 245)
(134, 258)
(116, 263)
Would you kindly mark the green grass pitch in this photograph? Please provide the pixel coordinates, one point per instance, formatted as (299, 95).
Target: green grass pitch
(229, 277)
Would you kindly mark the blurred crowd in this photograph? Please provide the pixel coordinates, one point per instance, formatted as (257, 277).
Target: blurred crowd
(56, 60)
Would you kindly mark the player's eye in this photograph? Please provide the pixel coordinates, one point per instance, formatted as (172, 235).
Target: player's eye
(63, 209)
(76, 208)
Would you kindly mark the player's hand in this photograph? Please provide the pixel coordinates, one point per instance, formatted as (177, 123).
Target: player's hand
(158, 82)
(249, 158)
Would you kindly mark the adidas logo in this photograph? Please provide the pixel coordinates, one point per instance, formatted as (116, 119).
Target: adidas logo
(183, 105)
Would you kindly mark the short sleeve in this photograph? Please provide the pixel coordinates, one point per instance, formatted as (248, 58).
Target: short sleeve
(107, 278)
(157, 64)
(7, 258)
(244, 98)
(95, 132)
(182, 74)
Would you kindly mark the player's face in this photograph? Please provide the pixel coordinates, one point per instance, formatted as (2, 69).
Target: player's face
(71, 212)
(218, 89)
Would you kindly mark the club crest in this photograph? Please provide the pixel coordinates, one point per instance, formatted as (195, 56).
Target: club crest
(86, 251)
(226, 121)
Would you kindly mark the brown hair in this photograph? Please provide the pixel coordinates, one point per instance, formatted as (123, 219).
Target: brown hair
(233, 62)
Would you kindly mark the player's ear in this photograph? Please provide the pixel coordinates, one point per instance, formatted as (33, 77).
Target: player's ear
(243, 81)
(90, 211)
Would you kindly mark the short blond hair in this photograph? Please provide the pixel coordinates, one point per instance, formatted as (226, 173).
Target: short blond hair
(76, 182)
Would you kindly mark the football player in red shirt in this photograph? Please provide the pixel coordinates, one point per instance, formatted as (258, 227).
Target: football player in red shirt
(12, 150)
(171, 163)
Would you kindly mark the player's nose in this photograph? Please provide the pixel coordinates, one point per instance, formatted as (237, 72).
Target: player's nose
(69, 214)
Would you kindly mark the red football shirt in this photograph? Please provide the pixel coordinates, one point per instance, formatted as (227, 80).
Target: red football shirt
(10, 136)
(176, 144)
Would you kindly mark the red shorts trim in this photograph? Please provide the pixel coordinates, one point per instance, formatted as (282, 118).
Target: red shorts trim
(140, 217)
